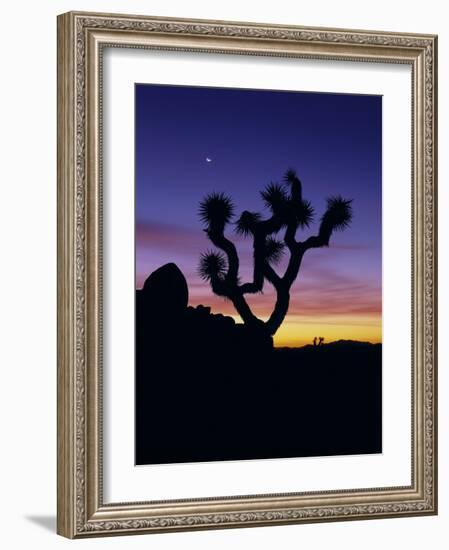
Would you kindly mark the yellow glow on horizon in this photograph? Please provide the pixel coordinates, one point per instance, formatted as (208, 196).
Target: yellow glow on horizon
(298, 331)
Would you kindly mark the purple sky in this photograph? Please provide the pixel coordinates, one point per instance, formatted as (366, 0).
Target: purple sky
(252, 137)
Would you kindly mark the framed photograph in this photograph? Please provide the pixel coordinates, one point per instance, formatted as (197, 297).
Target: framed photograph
(246, 274)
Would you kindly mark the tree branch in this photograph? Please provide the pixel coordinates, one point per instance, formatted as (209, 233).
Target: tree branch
(271, 225)
(229, 286)
(289, 237)
(316, 241)
(280, 310)
(259, 238)
(228, 247)
(272, 276)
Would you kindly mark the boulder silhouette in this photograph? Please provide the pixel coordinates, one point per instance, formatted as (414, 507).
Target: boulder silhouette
(165, 292)
(162, 310)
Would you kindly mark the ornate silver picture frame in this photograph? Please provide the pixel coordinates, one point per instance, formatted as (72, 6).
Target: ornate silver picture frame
(82, 509)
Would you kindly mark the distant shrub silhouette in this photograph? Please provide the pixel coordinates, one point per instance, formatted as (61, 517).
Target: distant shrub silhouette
(318, 341)
(289, 211)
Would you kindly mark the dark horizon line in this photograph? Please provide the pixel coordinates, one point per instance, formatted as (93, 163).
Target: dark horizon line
(332, 342)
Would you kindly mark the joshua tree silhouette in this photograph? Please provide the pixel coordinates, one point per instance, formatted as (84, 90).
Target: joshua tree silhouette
(289, 211)
(318, 341)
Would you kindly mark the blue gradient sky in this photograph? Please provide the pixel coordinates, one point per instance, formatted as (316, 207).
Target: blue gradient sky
(334, 141)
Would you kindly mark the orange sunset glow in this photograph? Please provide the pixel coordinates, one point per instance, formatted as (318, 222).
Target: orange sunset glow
(299, 330)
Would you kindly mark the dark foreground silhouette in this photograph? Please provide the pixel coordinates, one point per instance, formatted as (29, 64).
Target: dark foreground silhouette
(210, 389)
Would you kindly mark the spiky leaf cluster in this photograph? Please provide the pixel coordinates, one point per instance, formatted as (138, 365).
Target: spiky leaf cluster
(303, 213)
(292, 180)
(212, 266)
(216, 210)
(289, 206)
(273, 250)
(247, 222)
(290, 176)
(338, 213)
(275, 197)
(337, 217)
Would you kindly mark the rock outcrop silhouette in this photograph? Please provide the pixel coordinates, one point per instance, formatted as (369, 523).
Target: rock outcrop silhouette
(165, 291)
(162, 306)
